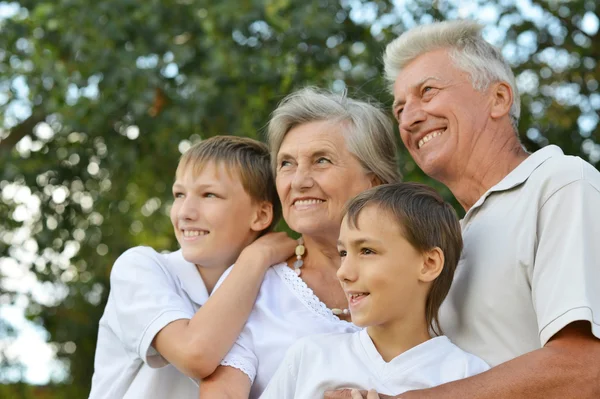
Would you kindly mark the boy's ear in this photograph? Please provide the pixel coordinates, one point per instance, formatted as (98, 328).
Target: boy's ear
(262, 217)
(433, 264)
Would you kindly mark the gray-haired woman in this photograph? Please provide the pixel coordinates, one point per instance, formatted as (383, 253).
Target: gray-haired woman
(325, 149)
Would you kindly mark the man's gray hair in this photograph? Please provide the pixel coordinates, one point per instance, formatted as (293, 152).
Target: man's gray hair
(367, 130)
(469, 51)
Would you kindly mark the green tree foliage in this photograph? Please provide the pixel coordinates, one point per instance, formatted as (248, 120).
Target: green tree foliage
(97, 99)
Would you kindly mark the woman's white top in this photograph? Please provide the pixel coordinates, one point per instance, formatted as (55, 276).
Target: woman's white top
(333, 361)
(148, 290)
(286, 309)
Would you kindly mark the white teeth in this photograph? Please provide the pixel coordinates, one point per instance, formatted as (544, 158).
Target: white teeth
(354, 296)
(194, 233)
(308, 202)
(429, 137)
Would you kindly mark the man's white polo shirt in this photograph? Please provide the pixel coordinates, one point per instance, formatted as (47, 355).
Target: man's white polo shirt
(148, 290)
(531, 260)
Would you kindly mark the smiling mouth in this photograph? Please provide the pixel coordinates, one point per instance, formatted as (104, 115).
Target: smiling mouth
(356, 297)
(308, 202)
(429, 137)
(194, 233)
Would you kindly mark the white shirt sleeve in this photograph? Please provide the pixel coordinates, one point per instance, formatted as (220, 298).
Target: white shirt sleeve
(283, 382)
(474, 366)
(567, 265)
(241, 356)
(145, 301)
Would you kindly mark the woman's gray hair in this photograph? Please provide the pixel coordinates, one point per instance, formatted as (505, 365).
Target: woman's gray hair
(369, 133)
(469, 51)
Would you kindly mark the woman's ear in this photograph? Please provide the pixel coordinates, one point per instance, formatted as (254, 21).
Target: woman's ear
(375, 180)
(262, 217)
(433, 264)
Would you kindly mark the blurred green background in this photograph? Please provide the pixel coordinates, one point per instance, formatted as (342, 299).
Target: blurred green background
(99, 98)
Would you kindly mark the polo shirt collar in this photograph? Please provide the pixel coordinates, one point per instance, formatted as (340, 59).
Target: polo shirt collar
(521, 173)
(189, 278)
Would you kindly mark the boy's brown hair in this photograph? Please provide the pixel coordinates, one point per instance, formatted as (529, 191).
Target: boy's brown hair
(426, 221)
(248, 158)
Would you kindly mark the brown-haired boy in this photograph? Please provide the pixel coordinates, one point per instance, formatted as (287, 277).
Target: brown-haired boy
(160, 327)
(400, 244)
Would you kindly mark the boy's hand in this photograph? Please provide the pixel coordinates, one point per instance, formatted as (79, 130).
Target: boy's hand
(270, 249)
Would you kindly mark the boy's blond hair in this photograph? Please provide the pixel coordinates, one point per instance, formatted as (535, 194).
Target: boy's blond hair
(247, 158)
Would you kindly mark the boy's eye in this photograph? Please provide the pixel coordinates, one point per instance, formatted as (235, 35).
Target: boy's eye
(366, 251)
(343, 253)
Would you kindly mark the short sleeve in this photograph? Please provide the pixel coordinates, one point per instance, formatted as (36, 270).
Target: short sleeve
(146, 300)
(475, 365)
(566, 271)
(241, 356)
(283, 383)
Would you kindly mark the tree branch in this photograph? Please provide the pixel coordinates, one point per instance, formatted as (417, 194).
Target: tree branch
(20, 131)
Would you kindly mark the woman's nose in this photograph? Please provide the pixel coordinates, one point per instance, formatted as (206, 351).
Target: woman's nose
(303, 178)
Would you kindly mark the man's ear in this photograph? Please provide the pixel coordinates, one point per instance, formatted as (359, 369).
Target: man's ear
(433, 264)
(502, 99)
(263, 216)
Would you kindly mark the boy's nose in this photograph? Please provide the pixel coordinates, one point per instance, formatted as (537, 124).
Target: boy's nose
(188, 210)
(346, 271)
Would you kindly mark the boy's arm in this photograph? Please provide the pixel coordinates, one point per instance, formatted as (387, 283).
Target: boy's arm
(196, 346)
(226, 383)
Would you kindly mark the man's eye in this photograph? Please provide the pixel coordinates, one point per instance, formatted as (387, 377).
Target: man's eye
(284, 163)
(343, 253)
(323, 160)
(210, 195)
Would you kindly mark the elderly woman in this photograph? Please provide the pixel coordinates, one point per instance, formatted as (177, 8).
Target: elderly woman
(325, 150)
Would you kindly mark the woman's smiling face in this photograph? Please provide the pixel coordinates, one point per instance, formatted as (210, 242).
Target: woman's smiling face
(316, 175)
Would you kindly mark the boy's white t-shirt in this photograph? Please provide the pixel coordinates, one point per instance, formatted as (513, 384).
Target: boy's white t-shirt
(333, 361)
(148, 290)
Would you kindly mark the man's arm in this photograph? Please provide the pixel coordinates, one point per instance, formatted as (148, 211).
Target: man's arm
(226, 383)
(196, 346)
(567, 367)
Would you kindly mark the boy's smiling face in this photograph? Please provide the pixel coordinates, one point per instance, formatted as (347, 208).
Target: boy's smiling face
(380, 270)
(214, 218)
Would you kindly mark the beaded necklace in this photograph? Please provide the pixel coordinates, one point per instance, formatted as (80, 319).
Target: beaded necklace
(300, 250)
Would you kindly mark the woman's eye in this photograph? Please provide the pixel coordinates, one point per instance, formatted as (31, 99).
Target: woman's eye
(177, 195)
(343, 253)
(323, 160)
(210, 195)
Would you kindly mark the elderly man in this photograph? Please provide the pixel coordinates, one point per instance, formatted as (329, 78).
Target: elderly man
(526, 295)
